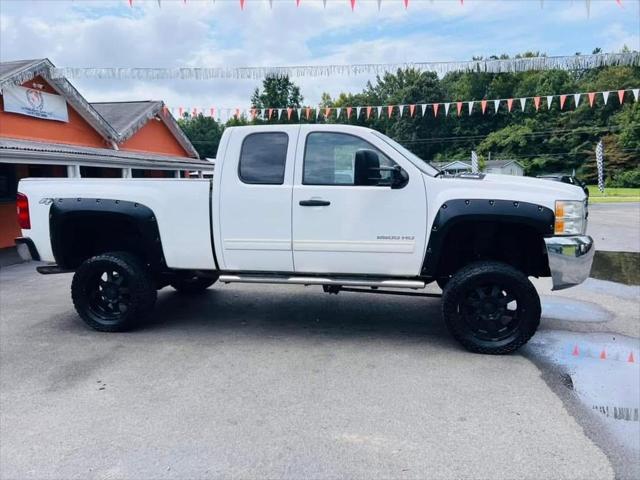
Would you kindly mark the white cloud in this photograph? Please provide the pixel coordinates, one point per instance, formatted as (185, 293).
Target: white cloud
(108, 33)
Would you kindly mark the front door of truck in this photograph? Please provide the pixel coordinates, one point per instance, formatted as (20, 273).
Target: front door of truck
(346, 222)
(255, 199)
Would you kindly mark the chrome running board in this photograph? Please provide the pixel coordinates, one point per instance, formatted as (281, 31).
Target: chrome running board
(345, 281)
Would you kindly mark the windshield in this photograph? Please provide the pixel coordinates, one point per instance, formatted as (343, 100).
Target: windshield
(412, 157)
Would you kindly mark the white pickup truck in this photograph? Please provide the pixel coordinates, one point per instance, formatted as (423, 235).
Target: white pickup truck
(342, 207)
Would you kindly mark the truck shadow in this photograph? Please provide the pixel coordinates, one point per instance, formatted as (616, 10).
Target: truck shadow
(277, 311)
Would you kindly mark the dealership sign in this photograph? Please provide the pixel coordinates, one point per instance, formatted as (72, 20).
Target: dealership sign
(35, 103)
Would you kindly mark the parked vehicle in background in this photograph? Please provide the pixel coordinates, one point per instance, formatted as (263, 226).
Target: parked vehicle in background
(342, 207)
(566, 178)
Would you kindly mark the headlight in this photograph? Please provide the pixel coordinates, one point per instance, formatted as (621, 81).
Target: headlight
(570, 217)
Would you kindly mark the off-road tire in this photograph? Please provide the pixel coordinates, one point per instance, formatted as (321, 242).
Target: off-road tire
(193, 285)
(464, 283)
(140, 297)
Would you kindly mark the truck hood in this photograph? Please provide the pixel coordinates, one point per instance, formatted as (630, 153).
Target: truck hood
(499, 187)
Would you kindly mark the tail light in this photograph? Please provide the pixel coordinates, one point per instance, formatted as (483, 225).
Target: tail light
(22, 205)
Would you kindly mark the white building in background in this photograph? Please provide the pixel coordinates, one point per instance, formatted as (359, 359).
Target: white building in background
(502, 167)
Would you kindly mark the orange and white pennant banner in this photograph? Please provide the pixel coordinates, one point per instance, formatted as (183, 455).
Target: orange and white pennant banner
(423, 108)
(605, 97)
(327, 112)
(446, 109)
(369, 112)
(379, 110)
(483, 106)
(576, 98)
(563, 98)
(353, 5)
(592, 98)
(523, 103)
(401, 109)
(435, 109)
(549, 101)
(358, 110)
(536, 103)
(338, 112)
(349, 109)
(636, 93)
(470, 104)
(412, 110)
(389, 110)
(289, 111)
(496, 106)
(509, 104)
(459, 107)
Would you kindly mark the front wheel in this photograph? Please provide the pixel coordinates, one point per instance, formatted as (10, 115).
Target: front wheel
(491, 307)
(113, 292)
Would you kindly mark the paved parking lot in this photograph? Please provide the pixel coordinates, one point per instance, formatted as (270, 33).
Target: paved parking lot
(250, 381)
(269, 381)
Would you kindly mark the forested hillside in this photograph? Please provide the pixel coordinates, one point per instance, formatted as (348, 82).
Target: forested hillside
(544, 141)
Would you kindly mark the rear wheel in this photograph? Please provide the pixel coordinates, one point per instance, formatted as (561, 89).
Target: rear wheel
(194, 284)
(113, 292)
(490, 307)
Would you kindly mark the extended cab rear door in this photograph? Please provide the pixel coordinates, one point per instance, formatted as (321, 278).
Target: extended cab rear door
(343, 225)
(254, 198)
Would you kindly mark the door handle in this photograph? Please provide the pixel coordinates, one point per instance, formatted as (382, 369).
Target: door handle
(314, 203)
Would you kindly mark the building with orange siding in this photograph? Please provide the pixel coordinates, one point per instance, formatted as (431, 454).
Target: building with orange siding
(111, 139)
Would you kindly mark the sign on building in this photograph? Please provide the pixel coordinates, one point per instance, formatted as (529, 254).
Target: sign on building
(35, 103)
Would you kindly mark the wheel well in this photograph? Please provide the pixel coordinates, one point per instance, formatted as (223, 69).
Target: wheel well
(521, 246)
(80, 237)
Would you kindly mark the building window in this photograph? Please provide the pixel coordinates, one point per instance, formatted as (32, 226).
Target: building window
(263, 157)
(329, 159)
(8, 182)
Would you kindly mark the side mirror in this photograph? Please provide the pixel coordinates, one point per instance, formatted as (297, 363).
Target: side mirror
(366, 168)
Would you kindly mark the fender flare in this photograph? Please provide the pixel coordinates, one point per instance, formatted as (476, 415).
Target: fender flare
(67, 210)
(456, 211)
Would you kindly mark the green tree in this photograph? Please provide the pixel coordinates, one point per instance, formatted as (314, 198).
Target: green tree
(277, 92)
(203, 132)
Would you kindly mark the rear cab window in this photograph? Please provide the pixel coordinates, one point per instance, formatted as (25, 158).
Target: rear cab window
(263, 157)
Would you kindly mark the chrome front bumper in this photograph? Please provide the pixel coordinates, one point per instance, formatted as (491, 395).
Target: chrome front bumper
(570, 259)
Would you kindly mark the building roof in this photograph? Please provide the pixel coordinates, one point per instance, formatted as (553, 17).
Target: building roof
(501, 163)
(129, 117)
(115, 121)
(56, 153)
(20, 71)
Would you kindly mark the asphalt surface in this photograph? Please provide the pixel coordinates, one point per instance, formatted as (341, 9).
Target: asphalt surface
(253, 381)
(615, 226)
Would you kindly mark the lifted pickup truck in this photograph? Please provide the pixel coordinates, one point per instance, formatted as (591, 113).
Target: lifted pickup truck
(342, 207)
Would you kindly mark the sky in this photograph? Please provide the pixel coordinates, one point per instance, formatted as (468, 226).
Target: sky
(208, 33)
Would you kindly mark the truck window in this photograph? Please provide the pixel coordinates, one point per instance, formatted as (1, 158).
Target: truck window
(263, 157)
(329, 159)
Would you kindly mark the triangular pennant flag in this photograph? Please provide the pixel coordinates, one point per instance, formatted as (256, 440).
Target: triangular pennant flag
(636, 92)
(592, 98)
(349, 112)
(180, 111)
(131, 3)
(271, 4)
(459, 107)
(423, 107)
(379, 3)
(496, 106)
(338, 110)
(406, 4)
(446, 109)
(317, 113)
(242, 4)
(549, 101)
(563, 98)
(369, 112)
(509, 104)
(269, 112)
(253, 113)
(401, 108)
(289, 110)
(308, 112)
(297, 3)
(412, 110)
(576, 98)
(299, 114)
(358, 110)
(536, 103)
(435, 109)
(353, 4)
(237, 115)
(327, 112)
(523, 103)
(279, 113)
(470, 104)
(389, 110)
(621, 96)
(379, 109)
(605, 97)
(483, 105)
(324, 3)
